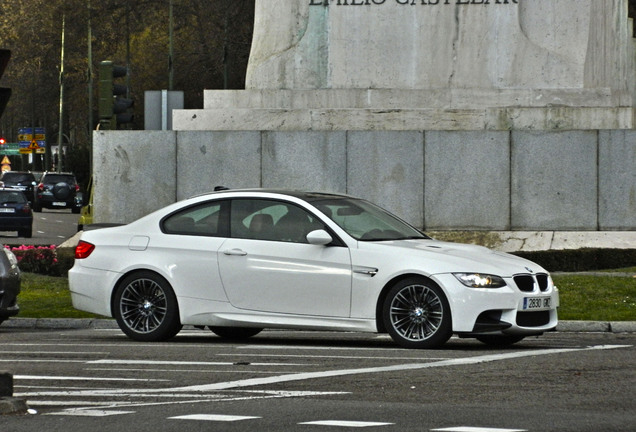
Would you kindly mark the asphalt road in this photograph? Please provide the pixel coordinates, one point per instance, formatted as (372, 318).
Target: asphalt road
(99, 380)
(50, 227)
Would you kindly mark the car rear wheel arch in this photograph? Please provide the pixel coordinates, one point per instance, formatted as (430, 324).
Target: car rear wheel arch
(170, 323)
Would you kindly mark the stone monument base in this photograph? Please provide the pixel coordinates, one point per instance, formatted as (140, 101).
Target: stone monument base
(395, 109)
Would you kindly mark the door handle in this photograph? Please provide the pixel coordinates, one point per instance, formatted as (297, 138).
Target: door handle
(235, 252)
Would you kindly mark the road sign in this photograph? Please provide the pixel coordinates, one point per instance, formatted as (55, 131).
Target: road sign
(26, 137)
(10, 149)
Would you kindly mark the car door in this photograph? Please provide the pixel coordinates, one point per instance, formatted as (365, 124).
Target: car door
(267, 264)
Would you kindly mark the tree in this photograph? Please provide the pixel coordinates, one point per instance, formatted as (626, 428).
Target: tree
(126, 32)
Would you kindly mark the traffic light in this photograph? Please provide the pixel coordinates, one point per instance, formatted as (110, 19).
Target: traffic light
(114, 103)
(5, 93)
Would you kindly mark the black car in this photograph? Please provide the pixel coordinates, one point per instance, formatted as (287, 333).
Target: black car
(23, 180)
(58, 191)
(9, 285)
(15, 212)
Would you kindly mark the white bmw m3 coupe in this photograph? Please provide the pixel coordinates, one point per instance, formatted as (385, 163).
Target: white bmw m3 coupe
(239, 261)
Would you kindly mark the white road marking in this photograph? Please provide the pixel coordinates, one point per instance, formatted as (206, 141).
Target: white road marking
(341, 423)
(335, 373)
(477, 429)
(186, 363)
(72, 378)
(57, 352)
(213, 417)
(207, 371)
(263, 394)
(337, 356)
(394, 368)
(91, 413)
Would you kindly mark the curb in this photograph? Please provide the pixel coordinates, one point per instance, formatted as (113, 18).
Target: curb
(9, 404)
(107, 324)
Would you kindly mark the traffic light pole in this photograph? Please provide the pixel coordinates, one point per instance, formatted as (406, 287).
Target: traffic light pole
(61, 124)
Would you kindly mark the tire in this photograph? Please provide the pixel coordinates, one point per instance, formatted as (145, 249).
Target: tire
(146, 308)
(61, 191)
(76, 210)
(235, 332)
(416, 314)
(499, 340)
(37, 207)
(27, 233)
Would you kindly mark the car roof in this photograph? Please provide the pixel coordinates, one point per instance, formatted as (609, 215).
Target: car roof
(303, 195)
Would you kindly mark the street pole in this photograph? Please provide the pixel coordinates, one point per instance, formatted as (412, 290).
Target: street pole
(90, 91)
(59, 134)
(170, 48)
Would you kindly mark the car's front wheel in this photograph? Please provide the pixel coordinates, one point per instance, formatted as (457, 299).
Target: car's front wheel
(416, 314)
(146, 308)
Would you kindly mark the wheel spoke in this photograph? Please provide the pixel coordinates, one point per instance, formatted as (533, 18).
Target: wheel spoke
(143, 305)
(416, 312)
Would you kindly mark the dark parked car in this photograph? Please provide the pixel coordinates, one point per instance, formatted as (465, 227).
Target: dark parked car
(9, 285)
(23, 180)
(15, 212)
(58, 191)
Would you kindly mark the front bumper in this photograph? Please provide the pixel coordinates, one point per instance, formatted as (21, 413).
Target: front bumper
(506, 310)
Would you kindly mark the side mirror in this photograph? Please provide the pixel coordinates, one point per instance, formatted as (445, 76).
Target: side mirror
(319, 237)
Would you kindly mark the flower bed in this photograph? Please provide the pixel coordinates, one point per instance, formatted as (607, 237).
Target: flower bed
(46, 260)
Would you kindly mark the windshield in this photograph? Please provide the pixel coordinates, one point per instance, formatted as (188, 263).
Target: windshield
(365, 221)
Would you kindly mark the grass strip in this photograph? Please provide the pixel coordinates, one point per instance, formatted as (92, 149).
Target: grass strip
(587, 297)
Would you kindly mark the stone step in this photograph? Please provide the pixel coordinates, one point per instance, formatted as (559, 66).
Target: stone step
(553, 118)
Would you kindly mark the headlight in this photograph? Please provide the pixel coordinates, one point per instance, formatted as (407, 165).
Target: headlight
(478, 280)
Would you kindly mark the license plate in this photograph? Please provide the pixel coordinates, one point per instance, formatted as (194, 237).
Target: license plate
(60, 204)
(537, 303)
(7, 210)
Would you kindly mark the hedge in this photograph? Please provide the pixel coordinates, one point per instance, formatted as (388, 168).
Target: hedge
(46, 260)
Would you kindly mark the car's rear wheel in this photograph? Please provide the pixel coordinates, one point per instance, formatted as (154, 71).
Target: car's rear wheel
(146, 308)
(499, 340)
(26, 233)
(235, 332)
(416, 314)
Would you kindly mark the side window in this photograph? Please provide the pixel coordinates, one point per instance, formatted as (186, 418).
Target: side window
(202, 220)
(271, 220)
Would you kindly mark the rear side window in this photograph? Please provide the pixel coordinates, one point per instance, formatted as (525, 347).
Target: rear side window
(205, 219)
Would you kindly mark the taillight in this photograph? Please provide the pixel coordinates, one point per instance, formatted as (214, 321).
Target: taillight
(77, 188)
(83, 249)
(41, 186)
(26, 208)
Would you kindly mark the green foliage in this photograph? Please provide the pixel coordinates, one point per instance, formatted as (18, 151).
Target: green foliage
(47, 297)
(597, 298)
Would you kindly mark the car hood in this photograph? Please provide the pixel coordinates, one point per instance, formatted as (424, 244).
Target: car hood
(445, 257)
